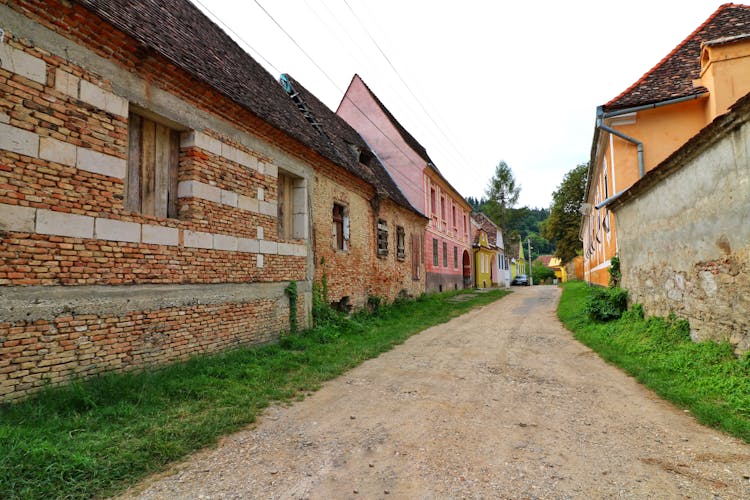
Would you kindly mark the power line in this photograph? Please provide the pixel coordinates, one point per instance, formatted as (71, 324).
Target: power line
(424, 109)
(218, 19)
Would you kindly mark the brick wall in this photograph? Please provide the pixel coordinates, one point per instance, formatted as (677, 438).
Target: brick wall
(64, 225)
(357, 271)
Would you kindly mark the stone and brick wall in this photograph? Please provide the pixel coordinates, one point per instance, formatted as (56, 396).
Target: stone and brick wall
(684, 237)
(356, 271)
(87, 285)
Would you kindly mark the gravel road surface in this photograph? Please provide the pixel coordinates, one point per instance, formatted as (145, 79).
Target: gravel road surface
(499, 403)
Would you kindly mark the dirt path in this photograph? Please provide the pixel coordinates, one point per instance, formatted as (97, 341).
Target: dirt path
(500, 403)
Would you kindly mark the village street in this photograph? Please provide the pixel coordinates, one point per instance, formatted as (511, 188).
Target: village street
(500, 403)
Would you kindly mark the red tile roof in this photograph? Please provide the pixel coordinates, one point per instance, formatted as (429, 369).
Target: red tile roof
(673, 76)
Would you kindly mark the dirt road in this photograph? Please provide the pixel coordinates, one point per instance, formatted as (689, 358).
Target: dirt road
(500, 403)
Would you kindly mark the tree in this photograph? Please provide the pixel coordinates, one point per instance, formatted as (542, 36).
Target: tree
(502, 194)
(564, 221)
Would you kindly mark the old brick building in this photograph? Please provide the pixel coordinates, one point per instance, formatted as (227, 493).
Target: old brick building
(159, 190)
(154, 191)
(366, 235)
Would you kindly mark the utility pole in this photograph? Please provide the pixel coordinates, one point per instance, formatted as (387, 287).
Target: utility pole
(531, 279)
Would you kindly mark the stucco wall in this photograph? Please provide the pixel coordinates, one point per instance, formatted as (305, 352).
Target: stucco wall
(685, 242)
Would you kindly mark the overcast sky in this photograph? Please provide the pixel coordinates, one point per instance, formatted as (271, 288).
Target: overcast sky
(475, 82)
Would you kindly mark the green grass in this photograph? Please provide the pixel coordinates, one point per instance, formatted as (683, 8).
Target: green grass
(97, 437)
(705, 378)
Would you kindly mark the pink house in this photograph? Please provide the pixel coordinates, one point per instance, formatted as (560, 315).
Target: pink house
(446, 244)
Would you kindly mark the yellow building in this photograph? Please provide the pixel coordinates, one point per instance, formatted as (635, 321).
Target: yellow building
(560, 272)
(485, 259)
(641, 127)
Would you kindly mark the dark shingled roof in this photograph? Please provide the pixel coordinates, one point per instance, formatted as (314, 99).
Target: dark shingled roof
(673, 76)
(488, 226)
(179, 32)
(341, 144)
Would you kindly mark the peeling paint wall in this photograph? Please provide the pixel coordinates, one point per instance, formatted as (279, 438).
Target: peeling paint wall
(685, 242)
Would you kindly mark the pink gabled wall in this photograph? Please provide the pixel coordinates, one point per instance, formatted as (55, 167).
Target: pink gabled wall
(405, 166)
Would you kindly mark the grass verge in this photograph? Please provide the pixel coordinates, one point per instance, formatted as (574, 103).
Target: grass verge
(705, 378)
(97, 437)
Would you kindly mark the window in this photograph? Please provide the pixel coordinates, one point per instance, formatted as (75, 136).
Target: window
(435, 252)
(455, 257)
(291, 207)
(400, 243)
(433, 207)
(466, 228)
(340, 218)
(416, 246)
(382, 238)
(454, 221)
(445, 254)
(442, 207)
(153, 155)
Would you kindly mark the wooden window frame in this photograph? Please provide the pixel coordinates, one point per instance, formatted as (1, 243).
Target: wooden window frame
(382, 241)
(400, 243)
(152, 167)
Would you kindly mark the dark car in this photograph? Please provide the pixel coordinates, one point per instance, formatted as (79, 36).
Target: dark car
(521, 279)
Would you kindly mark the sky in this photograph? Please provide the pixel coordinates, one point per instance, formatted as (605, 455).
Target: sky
(474, 81)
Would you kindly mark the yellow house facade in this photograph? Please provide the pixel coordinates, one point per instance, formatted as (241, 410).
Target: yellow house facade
(485, 261)
(645, 124)
(559, 268)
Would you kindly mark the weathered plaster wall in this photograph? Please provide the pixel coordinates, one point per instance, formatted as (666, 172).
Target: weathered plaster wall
(685, 243)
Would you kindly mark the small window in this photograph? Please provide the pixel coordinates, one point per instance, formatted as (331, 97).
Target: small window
(415, 251)
(435, 255)
(153, 155)
(400, 243)
(382, 238)
(340, 227)
(291, 207)
(455, 257)
(454, 221)
(445, 254)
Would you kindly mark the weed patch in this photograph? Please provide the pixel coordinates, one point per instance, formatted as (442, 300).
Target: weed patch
(706, 378)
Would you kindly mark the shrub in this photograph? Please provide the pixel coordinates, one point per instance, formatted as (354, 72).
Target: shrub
(606, 304)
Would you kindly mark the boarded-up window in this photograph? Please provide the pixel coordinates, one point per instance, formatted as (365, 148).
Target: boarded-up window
(416, 246)
(400, 243)
(435, 257)
(291, 206)
(153, 155)
(382, 238)
(340, 227)
(284, 206)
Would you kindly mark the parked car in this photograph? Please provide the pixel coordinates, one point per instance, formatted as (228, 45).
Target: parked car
(521, 279)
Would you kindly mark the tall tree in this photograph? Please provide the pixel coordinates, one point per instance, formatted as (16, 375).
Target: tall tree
(502, 194)
(564, 221)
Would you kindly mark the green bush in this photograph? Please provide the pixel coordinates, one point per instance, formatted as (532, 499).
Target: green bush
(606, 304)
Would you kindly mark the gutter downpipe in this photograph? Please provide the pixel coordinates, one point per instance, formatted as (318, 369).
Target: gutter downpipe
(601, 115)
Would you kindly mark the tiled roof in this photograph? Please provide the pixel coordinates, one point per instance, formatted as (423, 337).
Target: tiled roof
(487, 225)
(341, 144)
(182, 34)
(673, 76)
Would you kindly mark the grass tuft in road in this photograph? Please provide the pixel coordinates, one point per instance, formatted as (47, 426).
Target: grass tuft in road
(706, 378)
(95, 438)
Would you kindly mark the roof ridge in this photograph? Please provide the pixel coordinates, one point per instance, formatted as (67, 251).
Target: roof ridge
(664, 59)
(405, 134)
